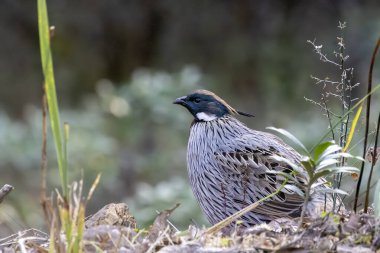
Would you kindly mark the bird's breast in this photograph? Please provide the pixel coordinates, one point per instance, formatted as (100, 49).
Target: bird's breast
(206, 138)
(200, 146)
(203, 141)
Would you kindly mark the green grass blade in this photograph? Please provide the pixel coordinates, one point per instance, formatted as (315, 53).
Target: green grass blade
(49, 84)
(290, 137)
(353, 126)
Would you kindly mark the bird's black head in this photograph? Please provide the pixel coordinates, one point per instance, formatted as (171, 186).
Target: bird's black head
(206, 106)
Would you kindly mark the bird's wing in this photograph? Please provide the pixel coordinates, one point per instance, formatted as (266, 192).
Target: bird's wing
(249, 165)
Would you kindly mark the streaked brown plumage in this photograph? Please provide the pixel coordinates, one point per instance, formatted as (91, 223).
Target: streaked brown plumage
(229, 164)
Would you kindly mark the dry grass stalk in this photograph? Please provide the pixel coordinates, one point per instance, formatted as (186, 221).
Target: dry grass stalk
(44, 200)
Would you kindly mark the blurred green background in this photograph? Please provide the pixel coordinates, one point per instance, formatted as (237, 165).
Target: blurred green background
(120, 64)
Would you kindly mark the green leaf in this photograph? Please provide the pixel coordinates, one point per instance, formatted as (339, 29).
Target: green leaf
(326, 163)
(291, 137)
(321, 148)
(322, 182)
(340, 155)
(319, 175)
(49, 85)
(332, 149)
(285, 175)
(308, 166)
(353, 126)
(346, 169)
(343, 169)
(332, 170)
(329, 190)
(294, 166)
(295, 189)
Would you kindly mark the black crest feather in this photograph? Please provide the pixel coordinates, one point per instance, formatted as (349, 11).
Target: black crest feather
(245, 114)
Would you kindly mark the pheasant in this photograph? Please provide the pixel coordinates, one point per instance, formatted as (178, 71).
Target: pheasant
(229, 165)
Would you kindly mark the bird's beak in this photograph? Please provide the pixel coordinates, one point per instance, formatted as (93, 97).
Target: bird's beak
(180, 101)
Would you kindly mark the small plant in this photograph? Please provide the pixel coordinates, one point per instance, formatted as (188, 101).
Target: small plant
(70, 205)
(323, 161)
(341, 90)
(337, 91)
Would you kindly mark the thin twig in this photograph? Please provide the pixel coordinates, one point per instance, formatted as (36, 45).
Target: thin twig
(367, 122)
(322, 57)
(158, 240)
(329, 118)
(22, 242)
(374, 158)
(169, 222)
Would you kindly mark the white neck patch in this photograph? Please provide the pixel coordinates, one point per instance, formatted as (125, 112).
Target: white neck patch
(205, 117)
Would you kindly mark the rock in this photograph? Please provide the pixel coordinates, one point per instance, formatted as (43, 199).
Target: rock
(112, 214)
(350, 249)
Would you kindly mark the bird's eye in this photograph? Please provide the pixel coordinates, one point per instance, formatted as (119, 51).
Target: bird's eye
(197, 100)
